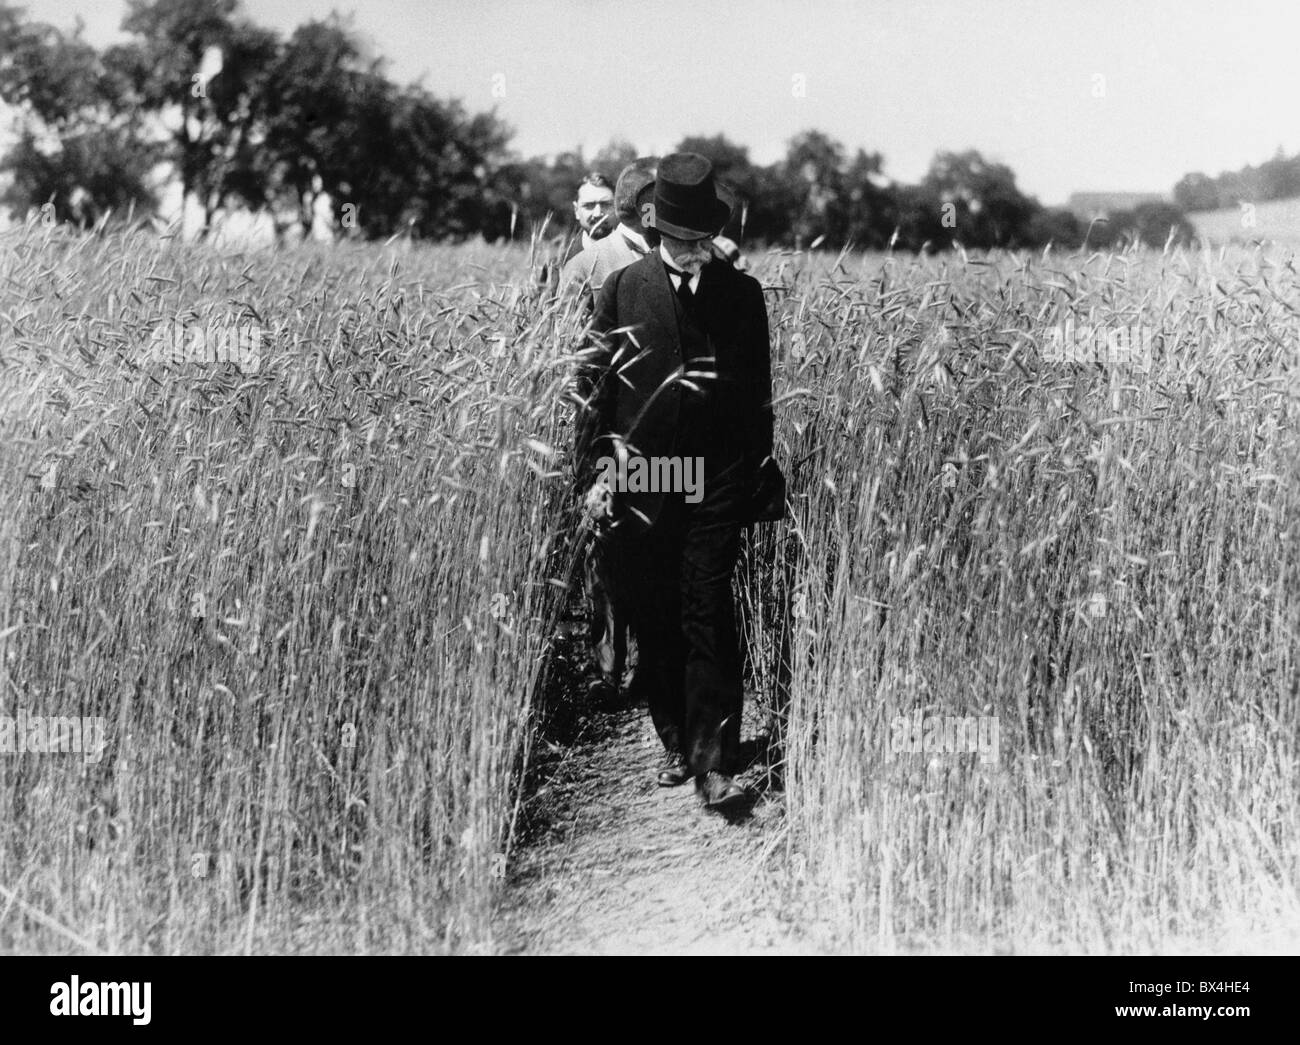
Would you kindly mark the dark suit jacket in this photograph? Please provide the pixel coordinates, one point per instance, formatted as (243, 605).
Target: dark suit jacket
(632, 378)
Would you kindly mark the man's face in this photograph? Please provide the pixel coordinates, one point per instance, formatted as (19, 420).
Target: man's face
(689, 255)
(594, 209)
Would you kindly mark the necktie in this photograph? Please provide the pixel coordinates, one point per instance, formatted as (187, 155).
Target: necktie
(684, 293)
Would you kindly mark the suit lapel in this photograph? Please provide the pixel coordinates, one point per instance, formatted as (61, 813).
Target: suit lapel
(664, 305)
(663, 302)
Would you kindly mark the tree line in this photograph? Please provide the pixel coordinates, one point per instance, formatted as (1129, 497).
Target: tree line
(1275, 179)
(276, 125)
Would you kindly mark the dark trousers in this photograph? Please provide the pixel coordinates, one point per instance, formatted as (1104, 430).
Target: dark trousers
(607, 622)
(677, 580)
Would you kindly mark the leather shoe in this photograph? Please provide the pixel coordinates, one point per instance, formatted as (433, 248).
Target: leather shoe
(674, 772)
(719, 790)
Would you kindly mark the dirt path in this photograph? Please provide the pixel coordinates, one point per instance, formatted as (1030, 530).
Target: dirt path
(615, 864)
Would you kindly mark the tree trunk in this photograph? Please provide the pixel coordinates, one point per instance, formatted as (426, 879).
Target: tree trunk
(306, 213)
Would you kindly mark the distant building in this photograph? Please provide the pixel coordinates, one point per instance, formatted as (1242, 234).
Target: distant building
(1086, 206)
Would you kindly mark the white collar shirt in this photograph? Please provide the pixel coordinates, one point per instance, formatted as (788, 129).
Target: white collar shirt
(635, 240)
(673, 277)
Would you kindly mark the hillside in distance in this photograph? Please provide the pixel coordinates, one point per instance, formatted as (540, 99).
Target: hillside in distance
(1274, 221)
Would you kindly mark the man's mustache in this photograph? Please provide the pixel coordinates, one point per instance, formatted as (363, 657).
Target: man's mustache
(695, 258)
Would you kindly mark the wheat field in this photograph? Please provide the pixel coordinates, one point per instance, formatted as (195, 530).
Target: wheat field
(312, 600)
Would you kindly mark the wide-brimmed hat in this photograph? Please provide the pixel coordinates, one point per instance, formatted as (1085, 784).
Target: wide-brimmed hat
(686, 203)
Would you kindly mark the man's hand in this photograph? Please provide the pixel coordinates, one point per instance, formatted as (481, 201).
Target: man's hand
(598, 505)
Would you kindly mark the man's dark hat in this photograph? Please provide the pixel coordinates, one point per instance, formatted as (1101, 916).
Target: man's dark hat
(686, 204)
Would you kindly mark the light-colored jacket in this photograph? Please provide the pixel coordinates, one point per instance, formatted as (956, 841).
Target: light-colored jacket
(589, 269)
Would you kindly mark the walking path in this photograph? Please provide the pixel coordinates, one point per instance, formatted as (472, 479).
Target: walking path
(615, 864)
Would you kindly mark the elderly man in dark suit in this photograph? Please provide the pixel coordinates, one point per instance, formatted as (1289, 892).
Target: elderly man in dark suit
(679, 382)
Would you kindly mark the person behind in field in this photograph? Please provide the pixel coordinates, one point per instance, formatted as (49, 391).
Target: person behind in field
(725, 249)
(593, 210)
(728, 251)
(610, 634)
(629, 242)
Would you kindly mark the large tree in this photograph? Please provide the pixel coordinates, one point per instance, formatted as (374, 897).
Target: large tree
(978, 202)
(81, 152)
(870, 208)
(321, 89)
(214, 124)
(611, 159)
(1197, 191)
(815, 162)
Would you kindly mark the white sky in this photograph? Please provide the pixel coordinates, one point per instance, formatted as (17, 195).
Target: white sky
(1188, 85)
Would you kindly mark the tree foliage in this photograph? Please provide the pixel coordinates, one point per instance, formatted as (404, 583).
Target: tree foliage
(1274, 179)
(240, 117)
(78, 154)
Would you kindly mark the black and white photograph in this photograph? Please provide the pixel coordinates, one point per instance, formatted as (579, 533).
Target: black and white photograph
(608, 478)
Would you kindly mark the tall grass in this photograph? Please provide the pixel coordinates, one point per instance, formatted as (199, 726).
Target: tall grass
(309, 600)
(1107, 566)
(312, 601)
